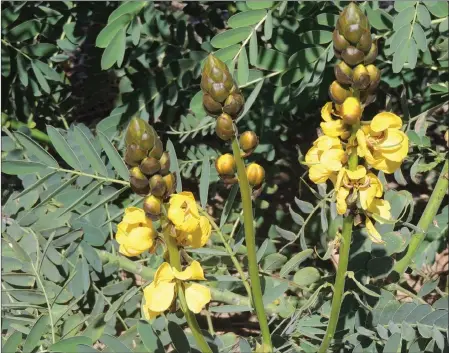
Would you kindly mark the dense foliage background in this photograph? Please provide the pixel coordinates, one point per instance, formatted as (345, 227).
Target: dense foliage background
(73, 75)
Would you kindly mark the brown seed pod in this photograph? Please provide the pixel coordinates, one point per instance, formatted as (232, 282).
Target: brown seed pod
(374, 75)
(248, 142)
(213, 108)
(352, 56)
(343, 73)
(157, 150)
(225, 127)
(338, 93)
(138, 181)
(152, 206)
(150, 166)
(234, 104)
(255, 174)
(340, 43)
(225, 165)
(157, 185)
(165, 163)
(365, 42)
(360, 77)
(134, 155)
(170, 184)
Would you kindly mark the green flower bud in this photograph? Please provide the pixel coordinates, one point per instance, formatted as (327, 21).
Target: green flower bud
(343, 73)
(150, 166)
(140, 133)
(157, 150)
(340, 43)
(157, 185)
(134, 155)
(365, 41)
(170, 184)
(216, 79)
(352, 56)
(225, 165)
(225, 127)
(371, 56)
(152, 206)
(352, 15)
(138, 181)
(360, 77)
(352, 33)
(255, 174)
(212, 107)
(165, 163)
(248, 142)
(234, 104)
(374, 75)
(338, 93)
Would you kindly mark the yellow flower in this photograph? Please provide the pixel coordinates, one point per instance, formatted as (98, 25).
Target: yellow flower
(135, 233)
(333, 127)
(159, 295)
(183, 212)
(383, 145)
(381, 208)
(325, 159)
(198, 238)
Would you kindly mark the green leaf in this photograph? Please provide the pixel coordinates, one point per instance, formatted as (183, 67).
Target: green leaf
(108, 33)
(37, 331)
(115, 51)
(13, 341)
(149, 338)
(230, 37)
(40, 49)
(364, 289)
(297, 218)
(178, 337)
(228, 53)
(24, 31)
(22, 70)
(92, 188)
(380, 267)
(83, 348)
(128, 7)
(290, 236)
(316, 37)
(40, 78)
(9, 15)
(204, 181)
(412, 54)
(295, 261)
(63, 148)
(247, 18)
(437, 8)
(230, 309)
(60, 188)
(114, 344)
(273, 262)
(327, 19)
(89, 152)
(242, 68)
(253, 49)
(117, 288)
(251, 99)
(21, 167)
(393, 345)
(379, 19)
(174, 165)
(255, 5)
(403, 18)
(268, 26)
(47, 71)
(427, 288)
(69, 345)
(103, 201)
(271, 60)
(305, 207)
(35, 185)
(114, 157)
(228, 205)
(400, 56)
(402, 5)
(420, 37)
(306, 276)
(35, 149)
(394, 242)
(423, 16)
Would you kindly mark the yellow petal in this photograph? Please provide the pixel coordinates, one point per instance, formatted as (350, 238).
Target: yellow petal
(325, 143)
(312, 155)
(159, 297)
(197, 271)
(128, 251)
(319, 174)
(367, 195)
(375, 182)
(332, 159)
(357, 174)
(383, 164)
(326, 111)
(135, 215)
(395, 147)
(333, 128)
(362, 147)
(147, 313)
(380, 207)
(340, 176)
(140, 238)
(342, 194)
(197, 296)
(372, 232)
(122, 232)
(164, 273)
(385, 120)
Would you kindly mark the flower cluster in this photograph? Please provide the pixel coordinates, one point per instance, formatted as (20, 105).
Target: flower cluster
(380, 142)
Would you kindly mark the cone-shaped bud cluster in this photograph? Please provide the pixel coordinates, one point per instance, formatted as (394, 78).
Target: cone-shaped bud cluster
(255, 174)
(353, 44)
(221, 96)
(248, 142)
(149, 165)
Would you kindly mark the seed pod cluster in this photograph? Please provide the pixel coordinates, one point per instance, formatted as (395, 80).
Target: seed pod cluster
(221, 96)
(149, 166)
(354, 45)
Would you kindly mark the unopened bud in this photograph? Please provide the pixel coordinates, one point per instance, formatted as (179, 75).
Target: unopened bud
(351, 111)
(140, 133)
(150, 166)
(152, 206)
(234, 104)
(157, 150)
(170, 184)
(340, 43)
(211, 106)
(360, 77)
(165, 163)
(157, 185)
(225, 165)
(343, 73)
(371, 56)
(374, 75)
(365, 41)
(134, 155)
(338, 93)
(248, 142)
(352, 56)
(225, 127)
(138, 181)
(255, 174)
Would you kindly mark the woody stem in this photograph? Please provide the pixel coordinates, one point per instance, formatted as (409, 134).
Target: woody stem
(343, 259)
(175, 261)
(250, 240)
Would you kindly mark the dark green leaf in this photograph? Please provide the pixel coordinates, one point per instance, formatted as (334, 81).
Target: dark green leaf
(107, 34)
(253, 49)
(247, 18)
(295, 261)
(242, 68)
(230, 37)
(115, 51)
(174, 166)
(13, 341)
(178, 337)
(24, 31)
(114, 157)
(149, 337)
(37, 331)
(128, 7)
(89, 152)
(114, 344)
(204, 181)
(35, 149)
(21, 167)
(40, 78)
(69, 345)
(316, 37)
(255, 5)
(63, 148)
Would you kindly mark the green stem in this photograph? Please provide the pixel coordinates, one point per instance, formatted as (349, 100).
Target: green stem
(426, 220)
(339, 286)
(250, 240)
(175, 261)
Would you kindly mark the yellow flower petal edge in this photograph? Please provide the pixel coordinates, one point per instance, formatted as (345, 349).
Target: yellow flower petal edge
(197, 296)
(164, 273)
(159, 297)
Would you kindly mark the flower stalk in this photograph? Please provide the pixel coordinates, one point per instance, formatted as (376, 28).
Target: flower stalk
(250, 241)
(426, 219)
(175, 262)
